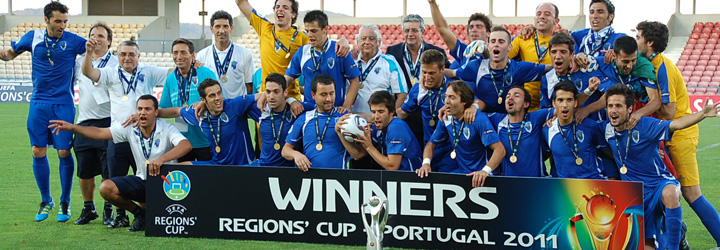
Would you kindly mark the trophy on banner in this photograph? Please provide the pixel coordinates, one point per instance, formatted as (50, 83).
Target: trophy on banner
(606, 225)
(377, 223)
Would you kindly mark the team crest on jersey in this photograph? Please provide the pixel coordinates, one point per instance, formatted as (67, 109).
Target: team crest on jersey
(580, 136)
(194, 81)
(636, 136)
(157, 142)
(578, 83)
(508, 78)
(606, 46)
(466, 133)
(331, 62)
(63, 45)
(141, 77)
(377, 70)
(234, 64)
(224, 117)
(288, 117)
(528, 127)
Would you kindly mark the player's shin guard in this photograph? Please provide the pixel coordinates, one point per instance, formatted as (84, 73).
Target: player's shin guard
(41, 169)
(67, 167)
(673, 224)
(709, 217)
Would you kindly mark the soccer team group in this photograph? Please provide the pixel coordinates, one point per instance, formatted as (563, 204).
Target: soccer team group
(599, 104)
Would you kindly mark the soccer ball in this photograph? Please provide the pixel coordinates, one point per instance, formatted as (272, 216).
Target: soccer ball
(355, 126)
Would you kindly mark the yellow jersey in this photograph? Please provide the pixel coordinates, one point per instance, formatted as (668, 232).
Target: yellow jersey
(274, 59)
(528, 53)
(672, 89)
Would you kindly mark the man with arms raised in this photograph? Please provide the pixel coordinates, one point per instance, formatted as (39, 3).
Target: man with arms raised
(319, 57)
(93, 110)
(231, 63)
(322, 148)
(396, 150)
(125, 84)
(469, 140)
(574, 145)
(635, 148)
(53, 58)
(428, 98)
(652, 38)
(377, 71)
(494, 76)
(180, 90)
(154, 142)
(478, 28)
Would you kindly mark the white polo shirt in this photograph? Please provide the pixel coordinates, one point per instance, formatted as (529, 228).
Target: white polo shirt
(240, 71)
(94, 101)
(147, 78)
(165, 138)
(386, 74)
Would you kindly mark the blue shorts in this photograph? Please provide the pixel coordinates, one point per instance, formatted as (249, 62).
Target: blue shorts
(655, 209)
(38, 121)
(131, 187)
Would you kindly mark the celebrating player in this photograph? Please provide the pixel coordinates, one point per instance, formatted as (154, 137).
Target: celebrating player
(158, 142)
(478, 28)
(53, 58)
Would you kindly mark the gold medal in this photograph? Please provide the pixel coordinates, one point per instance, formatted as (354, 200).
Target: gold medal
(277, 146)
(51, 62)
(578, 161)
(318, 147)
(185, 105)
(413, 81)
(147, 162)
(513, 158)
(362, 85)
(217, 149)
(432, 122)
(287, 55)
(623, 169)
(453, 154)
(224, 78)
(125, 98)
(96, 83)
(499, 99)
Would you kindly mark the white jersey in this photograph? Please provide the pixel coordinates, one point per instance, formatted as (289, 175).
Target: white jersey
(164, 139)
(146, 79)
(94, 100)
(386, 74)
(240, 71)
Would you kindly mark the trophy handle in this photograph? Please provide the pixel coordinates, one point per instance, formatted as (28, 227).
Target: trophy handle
(573, 220)
(371, 236)
(385, 217)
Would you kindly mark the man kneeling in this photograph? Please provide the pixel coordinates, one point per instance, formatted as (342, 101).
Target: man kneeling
(153, 143)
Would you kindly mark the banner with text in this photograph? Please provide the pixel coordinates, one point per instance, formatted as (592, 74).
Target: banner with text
(23, 93)
(697, 101)
(440, 211)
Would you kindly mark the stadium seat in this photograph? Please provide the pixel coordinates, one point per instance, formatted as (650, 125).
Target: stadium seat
(714, 84)
(708, 73)
(695, 78)
(702, 83)
(712, 91)
(709, 46)
(702, 63)
(697, 73)
(691, 84)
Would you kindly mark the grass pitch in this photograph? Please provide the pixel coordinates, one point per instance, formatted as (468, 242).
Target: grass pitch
(19, 199)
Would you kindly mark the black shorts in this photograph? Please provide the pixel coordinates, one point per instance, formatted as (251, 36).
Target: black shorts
(197, 154)
(92, 154)
(131, 187)
(120, 159)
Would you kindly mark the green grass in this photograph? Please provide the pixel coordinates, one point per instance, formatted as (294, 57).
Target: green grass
(19, 200)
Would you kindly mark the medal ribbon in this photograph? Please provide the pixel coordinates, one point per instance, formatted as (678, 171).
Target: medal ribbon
(456, 134)
(146, 151)
(184, 83)
(278, 44)
(504, 82)
(414, 67)
(104, 61)
(216, 136)
(317, 60)
(627, 146)
(276, 135)
(576, 151)
(371, 65)
(317, 125)
(537, 49)
(222, 68)
(49, 48)
(435, 101)
(515, 147)
(131, 84)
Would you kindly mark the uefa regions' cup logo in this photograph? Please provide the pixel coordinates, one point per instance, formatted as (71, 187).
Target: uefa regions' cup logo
(176, 185)
(609, 227)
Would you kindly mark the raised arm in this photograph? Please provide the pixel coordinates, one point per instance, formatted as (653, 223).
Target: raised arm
(708, 110)
(87, 67)
(94, 133)
(245, 8)
(441, 25)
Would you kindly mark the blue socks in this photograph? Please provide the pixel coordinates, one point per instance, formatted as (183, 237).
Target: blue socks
(41, 169)
(709, 217)
(673, 223)
(67, 168)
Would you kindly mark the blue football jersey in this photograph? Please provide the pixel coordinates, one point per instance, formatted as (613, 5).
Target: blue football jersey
(235, 141)
(274, 127)
(400, 141)
(528, 148)
(571, 141)
(332, 154)
(472, 141)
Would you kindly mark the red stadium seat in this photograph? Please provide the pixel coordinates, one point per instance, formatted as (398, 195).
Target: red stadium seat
(699, 24)
(708, 73)
(709, 46)
(696, 52)
(697, 73)
(691, 41)
(710, 68)
(691, 62)
(512, 27)
(695, 56)
(695, 36)
(715, 57)
(707, 51)
(695, 78)
(689, 46)
(714, 35)
(700, 42)
(714, 84)
(705, 35)
(704, 56)
(383, 27)
(702, 83)
(706, 79)
(712, 91)
(684, 57)
(691, 84)
(686, 78)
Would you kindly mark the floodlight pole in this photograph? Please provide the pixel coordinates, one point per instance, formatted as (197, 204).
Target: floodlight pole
(203, 13)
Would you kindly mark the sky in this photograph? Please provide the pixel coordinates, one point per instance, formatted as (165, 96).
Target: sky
(626, 14)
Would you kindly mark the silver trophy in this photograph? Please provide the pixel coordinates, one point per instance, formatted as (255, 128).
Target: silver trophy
(377, 224)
